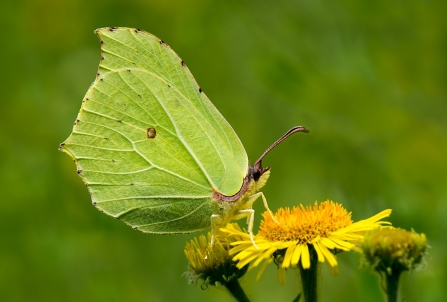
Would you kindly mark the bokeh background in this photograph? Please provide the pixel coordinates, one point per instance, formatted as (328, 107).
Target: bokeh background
(368, 78)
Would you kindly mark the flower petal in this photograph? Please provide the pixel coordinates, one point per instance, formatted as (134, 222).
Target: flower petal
(282, 276)
(245, 259)
(265, 255)
(288, 256)
(341, 244)
(328, 243)
(328, 255)
(305, 257)
(261, 270)
(333, 269)
(318, 250)
(296, 254)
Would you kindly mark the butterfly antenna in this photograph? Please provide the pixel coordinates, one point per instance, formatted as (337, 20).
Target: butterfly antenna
(258, 163)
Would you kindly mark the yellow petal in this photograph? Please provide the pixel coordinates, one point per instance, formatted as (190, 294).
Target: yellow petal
(237, 249)
(341, 244)
(328, 255)
(328, 243)
(318, 250)
(305, 258)
(261, 270)
(245, 260)
(288, 256)
(282, 276)
(297, 254)
(333, 269)
(265, 255)
(383, 214)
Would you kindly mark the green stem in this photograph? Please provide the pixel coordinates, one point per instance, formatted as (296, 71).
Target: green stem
(309, 278)
(392, 286)
(236, 290)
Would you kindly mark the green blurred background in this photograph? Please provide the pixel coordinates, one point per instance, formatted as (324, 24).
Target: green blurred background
(368, 78)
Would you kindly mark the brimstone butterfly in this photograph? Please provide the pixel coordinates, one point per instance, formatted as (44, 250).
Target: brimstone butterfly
(153, 150)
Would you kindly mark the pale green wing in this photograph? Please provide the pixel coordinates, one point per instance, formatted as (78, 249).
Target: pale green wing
(148, 143)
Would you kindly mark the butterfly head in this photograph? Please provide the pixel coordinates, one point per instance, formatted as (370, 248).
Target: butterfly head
(257, 170)
(260, 176)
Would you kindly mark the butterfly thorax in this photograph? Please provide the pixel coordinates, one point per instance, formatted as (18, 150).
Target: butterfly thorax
(229, 209)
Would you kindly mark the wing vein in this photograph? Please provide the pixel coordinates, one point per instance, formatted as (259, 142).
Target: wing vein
(193, 155)
(153, 197)
(171, 220)
(125, 47)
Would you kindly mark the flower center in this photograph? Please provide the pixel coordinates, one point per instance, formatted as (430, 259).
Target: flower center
(305, 223)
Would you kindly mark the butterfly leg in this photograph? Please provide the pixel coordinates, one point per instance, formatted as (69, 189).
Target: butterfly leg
(250, 213)
(216, 220)
(264, 200)
(216, 223)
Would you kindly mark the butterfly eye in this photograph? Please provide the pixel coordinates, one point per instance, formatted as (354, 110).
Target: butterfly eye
(256, 174)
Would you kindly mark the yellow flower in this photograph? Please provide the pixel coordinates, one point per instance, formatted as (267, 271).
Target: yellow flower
(212, 263)
(298, 233)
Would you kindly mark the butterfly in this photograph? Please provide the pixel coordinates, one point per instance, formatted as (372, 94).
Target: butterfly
(152, 149)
